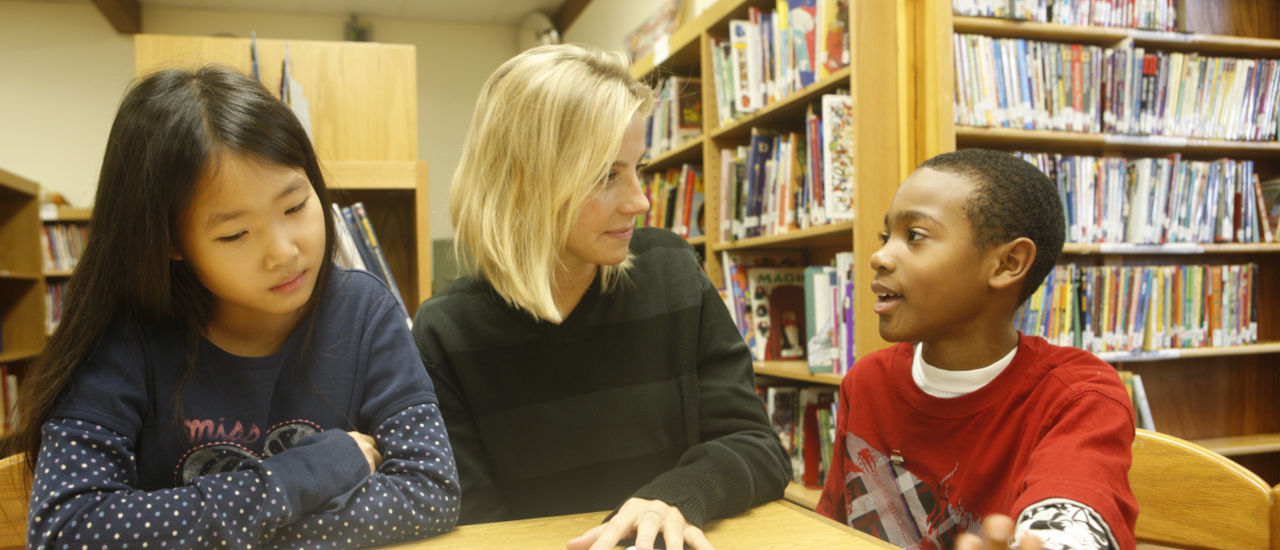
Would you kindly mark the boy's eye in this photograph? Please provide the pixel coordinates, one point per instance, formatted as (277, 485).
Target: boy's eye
(297, 207)
(913, 235)
(884, 237)
(232, 238)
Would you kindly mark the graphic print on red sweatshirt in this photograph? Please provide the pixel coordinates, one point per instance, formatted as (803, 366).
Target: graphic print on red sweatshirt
(886, 500)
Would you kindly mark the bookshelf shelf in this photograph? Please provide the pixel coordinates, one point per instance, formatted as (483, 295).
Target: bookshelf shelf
(1010, 138)
(804, 496)
(26, 276)
(1242, 445)
(796, 370)
(69, 214)
(58, 273)
(698, 241)
(1170, 249)
(1188, 353)
(689, 152)
(20, 354)
(1204, 43)
(787, 111)
(835, 233)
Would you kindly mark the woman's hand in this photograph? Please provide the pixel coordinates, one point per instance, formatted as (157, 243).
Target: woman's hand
(997, 534)
(369, 447)
(645, 518)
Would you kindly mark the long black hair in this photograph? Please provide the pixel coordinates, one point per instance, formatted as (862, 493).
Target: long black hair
(169, 129)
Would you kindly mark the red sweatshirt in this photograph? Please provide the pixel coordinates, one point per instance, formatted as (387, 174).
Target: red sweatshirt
(918, 470)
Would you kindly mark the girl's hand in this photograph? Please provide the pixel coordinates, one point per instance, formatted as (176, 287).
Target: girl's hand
(369, 447)
(645, 518)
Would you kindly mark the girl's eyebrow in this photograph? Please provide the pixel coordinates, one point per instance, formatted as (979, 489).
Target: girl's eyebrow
(220, 217)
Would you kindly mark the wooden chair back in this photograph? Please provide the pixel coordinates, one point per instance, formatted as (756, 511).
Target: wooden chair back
(15, 493)
(1191, 497)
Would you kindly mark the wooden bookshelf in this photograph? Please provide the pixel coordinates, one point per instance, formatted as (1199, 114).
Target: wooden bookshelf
(364, 124)
(22, 336)
(874, 79)
(1224, 398)
(795, 370)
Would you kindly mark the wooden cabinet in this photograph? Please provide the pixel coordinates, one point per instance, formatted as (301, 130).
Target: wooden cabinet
(364, 123)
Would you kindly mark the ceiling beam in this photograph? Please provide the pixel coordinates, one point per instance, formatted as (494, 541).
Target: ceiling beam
(568, 13)
(124, 15)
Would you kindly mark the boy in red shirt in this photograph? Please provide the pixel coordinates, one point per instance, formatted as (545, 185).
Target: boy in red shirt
(966, 419)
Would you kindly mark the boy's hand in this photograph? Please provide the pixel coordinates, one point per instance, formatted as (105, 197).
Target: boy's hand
(645, 518)
(369, 447)
(997, 534)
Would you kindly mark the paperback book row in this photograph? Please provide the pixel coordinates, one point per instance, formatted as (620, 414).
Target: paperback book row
(779, 182)
(675, 201)
(1144, 308)
(1158, 15)
(774, 53)
(358, 248)
(1019, 83)
(1158, 200)
(53, 291)
(804, 419)
(62, 244)
(677, 115)
(1138, 395)
(788, 311)
(9, 397)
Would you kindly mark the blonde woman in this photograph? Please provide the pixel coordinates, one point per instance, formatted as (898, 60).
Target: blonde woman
(586, 364)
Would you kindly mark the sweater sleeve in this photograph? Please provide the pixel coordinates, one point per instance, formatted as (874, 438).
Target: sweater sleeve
(413, 495)
(740, 463)
(481, 499)
(1084, 456)
(84, 490)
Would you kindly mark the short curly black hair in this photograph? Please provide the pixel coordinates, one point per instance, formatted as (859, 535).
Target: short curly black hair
(1011, 198)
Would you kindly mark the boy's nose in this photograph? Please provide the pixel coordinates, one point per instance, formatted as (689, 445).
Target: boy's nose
(880, 261)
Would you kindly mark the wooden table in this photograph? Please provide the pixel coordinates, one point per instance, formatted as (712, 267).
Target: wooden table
(778, 525)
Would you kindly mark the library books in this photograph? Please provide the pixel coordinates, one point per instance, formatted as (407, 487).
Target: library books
(1144, 308)
(676, 198)
(1157, 200)
(737, 285)
(829, 302)
(1160, 15)
(777, 302)
(62, 244)
(1128, 89)
(804, 419)
(1138, 396)
(773, 53)
(358, 247)
(781, 181)
(677, 115)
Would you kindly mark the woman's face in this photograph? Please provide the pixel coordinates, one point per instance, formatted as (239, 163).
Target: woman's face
(602, 233)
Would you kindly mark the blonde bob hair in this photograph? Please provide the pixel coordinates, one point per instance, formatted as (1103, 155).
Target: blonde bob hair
(547, 127)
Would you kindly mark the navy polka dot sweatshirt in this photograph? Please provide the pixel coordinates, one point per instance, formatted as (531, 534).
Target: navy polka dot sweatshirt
(259, 456)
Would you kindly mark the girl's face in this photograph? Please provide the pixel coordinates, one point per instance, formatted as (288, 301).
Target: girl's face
(602, 233)
(254, 236)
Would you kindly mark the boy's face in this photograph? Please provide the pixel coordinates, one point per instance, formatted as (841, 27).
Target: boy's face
(930, 280)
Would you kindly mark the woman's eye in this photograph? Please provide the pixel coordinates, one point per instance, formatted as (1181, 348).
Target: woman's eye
(297, 208)
(232, 238)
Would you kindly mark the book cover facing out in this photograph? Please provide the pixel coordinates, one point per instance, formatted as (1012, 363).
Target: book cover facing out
(778, 316)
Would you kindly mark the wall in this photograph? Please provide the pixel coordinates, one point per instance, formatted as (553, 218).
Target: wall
(64, 71)
(605, 23)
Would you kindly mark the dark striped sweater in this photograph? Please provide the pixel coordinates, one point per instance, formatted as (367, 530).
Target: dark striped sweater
(645, 392)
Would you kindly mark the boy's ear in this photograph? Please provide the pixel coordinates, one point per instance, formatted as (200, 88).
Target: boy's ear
(1014, 260)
